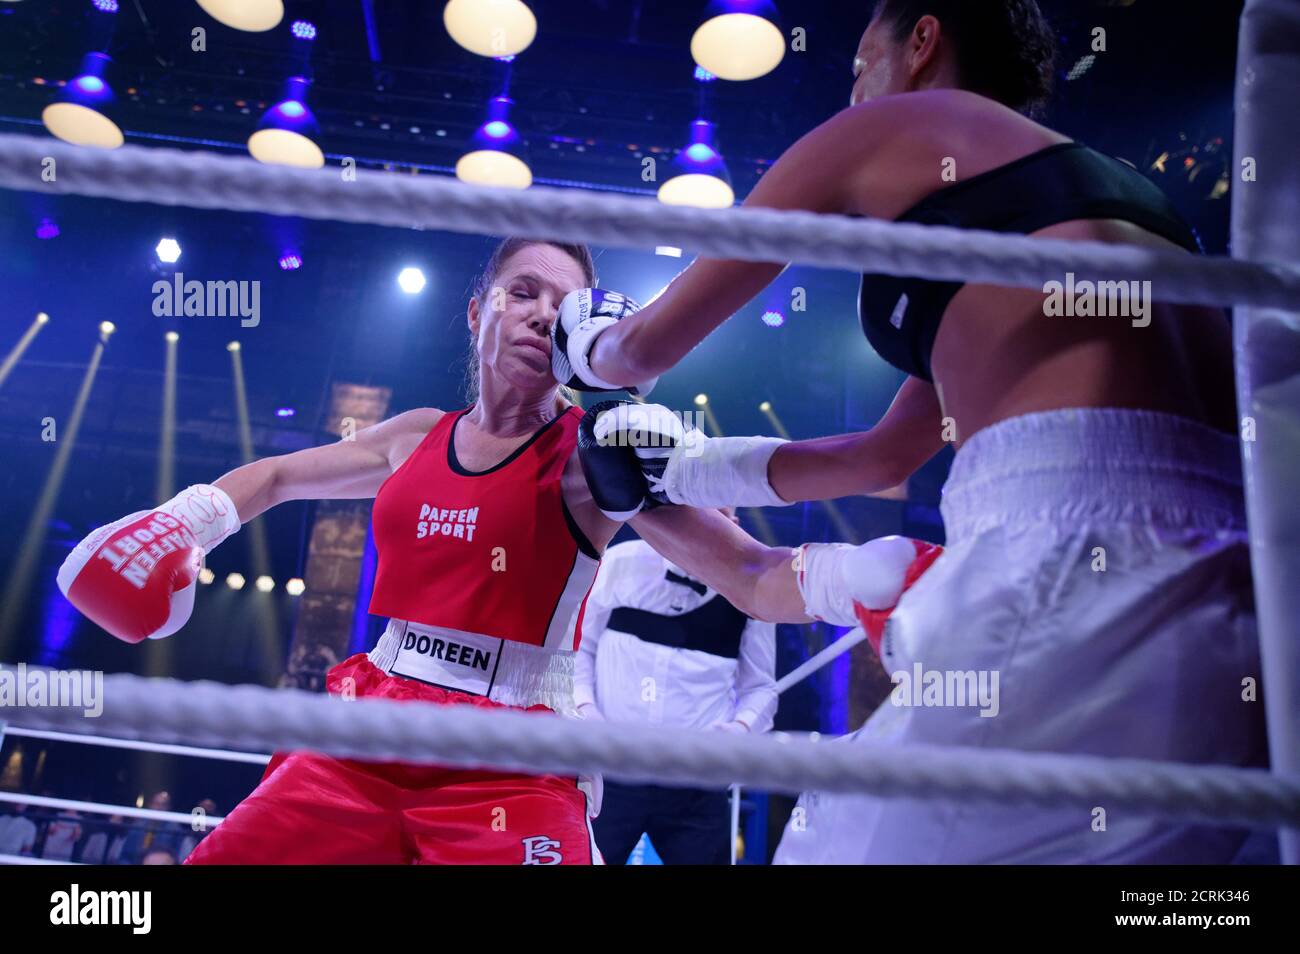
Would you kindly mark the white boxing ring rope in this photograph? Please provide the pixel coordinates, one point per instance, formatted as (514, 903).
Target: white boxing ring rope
(225, 755)
(1265, 275)
(232, 183)
(252, 717)
(103, 808)
(806, 669)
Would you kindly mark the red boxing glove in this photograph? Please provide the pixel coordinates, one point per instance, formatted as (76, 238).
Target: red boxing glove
(873, 620)
(847, 585)
(136, 577)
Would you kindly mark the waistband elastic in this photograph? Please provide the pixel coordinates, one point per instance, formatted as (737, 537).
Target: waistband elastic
(503, 670)
(1095, 464)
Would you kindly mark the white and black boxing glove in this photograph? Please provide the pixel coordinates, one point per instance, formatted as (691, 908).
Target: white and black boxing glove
(649, 434)
(584, 314)
(609, 460)
(136, 577)
(682, 465)
(688, 467)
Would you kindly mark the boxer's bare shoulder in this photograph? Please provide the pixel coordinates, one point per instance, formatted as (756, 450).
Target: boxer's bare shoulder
(403, 433)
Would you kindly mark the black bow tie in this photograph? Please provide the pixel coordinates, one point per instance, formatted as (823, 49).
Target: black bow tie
(696, 585)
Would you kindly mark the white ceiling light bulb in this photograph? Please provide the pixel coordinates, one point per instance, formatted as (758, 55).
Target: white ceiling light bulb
(253, 16)
(490, 27)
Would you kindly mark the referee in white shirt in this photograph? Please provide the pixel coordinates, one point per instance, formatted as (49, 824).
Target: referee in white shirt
(660, 648)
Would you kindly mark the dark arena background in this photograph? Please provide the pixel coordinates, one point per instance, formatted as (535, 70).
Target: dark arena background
(107, 407)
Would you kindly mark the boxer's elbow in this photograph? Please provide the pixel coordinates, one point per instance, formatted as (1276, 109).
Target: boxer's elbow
(275, 489)
(254, 487)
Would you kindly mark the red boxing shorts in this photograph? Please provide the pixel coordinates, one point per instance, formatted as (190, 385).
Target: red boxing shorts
(313, 809)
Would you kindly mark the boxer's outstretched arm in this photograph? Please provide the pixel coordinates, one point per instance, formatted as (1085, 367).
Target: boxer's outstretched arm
(758, 580)
(345, 470)
(689, 468)
(910, 433)
(137, 593)
(819, 173)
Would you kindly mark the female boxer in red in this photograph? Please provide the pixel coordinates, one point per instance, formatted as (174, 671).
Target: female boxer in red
(488, 543)
(488, 539)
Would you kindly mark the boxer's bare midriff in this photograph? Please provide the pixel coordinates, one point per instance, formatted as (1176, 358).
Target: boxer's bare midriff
(998, 355)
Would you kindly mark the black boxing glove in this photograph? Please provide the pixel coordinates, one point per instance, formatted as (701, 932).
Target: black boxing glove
(608, 437)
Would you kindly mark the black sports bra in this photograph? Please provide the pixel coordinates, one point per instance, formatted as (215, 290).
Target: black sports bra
(1061, 183)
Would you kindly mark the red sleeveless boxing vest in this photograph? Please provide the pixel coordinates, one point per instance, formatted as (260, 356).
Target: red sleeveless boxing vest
(494, 552)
